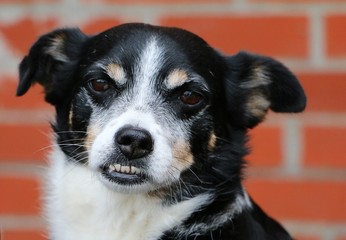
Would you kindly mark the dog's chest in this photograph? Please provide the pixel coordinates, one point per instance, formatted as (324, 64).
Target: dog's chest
(80, 207)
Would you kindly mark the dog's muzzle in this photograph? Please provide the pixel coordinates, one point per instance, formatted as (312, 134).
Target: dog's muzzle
(135, 144)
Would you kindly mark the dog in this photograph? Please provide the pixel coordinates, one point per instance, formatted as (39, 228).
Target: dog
(151, 133)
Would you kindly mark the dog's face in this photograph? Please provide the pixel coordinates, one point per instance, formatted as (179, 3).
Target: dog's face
(144, 106)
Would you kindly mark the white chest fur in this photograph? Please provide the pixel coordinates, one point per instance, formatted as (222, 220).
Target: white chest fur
(79, 206)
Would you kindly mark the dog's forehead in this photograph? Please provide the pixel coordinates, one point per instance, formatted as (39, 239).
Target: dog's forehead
(169, 54)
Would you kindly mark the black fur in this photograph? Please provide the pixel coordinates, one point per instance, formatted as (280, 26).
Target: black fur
(62, 68)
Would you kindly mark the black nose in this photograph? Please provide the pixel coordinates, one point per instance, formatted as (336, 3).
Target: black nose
(134, 142)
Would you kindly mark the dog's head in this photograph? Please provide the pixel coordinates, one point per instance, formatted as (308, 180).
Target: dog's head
(142, 105)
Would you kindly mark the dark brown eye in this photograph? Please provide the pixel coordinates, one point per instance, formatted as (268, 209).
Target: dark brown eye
(191, 98)
(99, 85)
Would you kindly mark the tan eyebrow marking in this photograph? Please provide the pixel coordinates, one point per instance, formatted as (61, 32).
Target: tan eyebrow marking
(116, 72)
(176, 78)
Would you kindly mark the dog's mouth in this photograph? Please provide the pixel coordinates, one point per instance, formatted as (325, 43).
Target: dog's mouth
(123, 174)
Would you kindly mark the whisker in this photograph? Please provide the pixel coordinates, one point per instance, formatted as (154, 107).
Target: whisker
(195, 175)
(72, 131)
(57, 145)
(72, 140)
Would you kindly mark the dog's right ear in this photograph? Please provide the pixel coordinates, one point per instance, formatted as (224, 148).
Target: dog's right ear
(50, 63)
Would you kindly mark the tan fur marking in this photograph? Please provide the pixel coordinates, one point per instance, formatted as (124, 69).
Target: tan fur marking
(116, 72)
(258, 105)
(92, 133)
(182, 154)
(258, 78)
(70, 115)
(212, 141)
(176, 78)
(56, 48)
(160, 193)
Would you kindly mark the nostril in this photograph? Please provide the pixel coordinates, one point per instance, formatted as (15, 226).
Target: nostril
(134, 142)
(124, 139)
(146, 143)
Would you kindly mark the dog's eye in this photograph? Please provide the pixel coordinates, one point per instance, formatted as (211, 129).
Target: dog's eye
(99, 85)
(191, 98)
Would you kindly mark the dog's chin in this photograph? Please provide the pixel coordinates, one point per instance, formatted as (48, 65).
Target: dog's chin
(122, 185)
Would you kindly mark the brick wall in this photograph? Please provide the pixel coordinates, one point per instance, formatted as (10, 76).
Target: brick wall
(297, 171)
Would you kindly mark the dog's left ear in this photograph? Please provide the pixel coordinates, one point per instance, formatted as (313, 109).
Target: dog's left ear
(50, 62)
(256, 84)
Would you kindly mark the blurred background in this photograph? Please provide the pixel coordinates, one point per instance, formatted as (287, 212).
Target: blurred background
(297, 170)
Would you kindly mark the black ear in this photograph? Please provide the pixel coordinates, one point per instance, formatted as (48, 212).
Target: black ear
(50, 63)
(256, 84)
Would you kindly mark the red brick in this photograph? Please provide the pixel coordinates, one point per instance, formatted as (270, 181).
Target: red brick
(341, 238)
(22, 34)
(20, 196)
(296, 1)
(284, 36)
(161, 1)
(306, 237)
(325, 147)
(24, 142)
(265, 143)
(99, 25)
(325, 91)
(336, 35)
(302, 200)
(27, 1)
(33, 99)
(23, 234)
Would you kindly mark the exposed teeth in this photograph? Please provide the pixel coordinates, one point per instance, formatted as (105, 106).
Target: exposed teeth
(123, 169)
(111, 168)
(135, 170)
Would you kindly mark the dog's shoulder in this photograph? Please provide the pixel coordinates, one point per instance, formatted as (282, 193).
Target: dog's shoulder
(250, 223)
(253, 224)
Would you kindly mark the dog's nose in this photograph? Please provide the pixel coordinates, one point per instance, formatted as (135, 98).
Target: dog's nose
(134, 142)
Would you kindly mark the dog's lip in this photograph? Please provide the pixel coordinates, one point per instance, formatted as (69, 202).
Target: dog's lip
(123, 174)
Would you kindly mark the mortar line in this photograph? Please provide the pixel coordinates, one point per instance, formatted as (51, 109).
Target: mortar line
(316, 38)
(292, 146)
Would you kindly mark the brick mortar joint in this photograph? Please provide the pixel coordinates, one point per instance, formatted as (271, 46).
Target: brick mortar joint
(329, 231)
(24, 222)
(232, 6)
